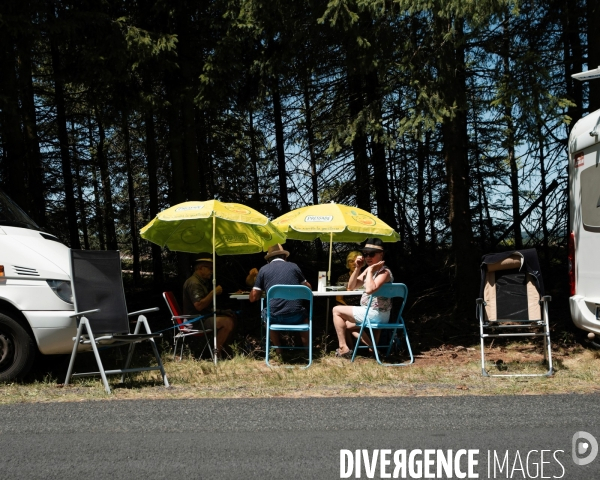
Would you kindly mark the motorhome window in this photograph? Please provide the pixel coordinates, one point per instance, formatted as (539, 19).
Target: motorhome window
(11, 214)
(590, 198)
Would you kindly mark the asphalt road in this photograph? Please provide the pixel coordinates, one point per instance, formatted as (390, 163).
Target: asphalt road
(508, 437)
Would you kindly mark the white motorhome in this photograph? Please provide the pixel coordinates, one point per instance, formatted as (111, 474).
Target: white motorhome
(35, 293)
(584, 235)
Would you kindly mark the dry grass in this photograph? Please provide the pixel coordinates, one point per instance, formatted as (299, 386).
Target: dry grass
(440, 371)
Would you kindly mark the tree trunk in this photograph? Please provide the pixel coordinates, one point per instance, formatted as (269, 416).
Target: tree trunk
(279, 143)
(152, 161)
(175, 142)
(385, 210)
(432, 217)
(202, 133)
(310, 134)
(63, 139)
(421, 234)
(190, 155)
(455, 141)
(135, 249)
(178, 193)
(359, 142)
(254, 163)
(35, 173)
(509, 141)
(13, 147)
(543, 185)
(79, 189)
(593, 44)
(98, 217)
(109, 212)
(573, 57)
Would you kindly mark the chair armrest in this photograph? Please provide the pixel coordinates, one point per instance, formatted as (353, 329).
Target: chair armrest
(546, 298)
(480, 301)
(78, 314)
(189, 316)
(139, 312)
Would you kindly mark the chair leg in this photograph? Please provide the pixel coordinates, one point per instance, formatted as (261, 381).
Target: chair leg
(410, 353)
(374, 344)
(175, 341)
(97, 355)
(74, 353)
(267, 345)
(83, 323)
(393, 339)
(144, 320)
(131, 347)
(357, 343)
(482, 341)
(207, 340)
(309, 348)
(547, 344)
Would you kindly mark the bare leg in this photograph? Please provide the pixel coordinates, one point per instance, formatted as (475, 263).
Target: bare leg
(275, 339)
(304, 335)
(366, 338)
(224, 328)
(343, 320)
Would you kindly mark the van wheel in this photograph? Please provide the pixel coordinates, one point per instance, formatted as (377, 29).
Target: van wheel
(17, 349)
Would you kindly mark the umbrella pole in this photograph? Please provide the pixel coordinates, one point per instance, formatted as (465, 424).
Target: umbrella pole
(328, 283)
(214, 281)
(330, 249)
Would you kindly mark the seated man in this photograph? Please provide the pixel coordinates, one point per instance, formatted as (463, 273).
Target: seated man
(278, 271)
(198, 300)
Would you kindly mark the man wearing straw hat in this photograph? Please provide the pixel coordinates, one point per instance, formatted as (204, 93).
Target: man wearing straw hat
(278, 271)
(198, 297)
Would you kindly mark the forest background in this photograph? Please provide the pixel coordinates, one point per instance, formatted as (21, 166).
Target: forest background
(448, 119)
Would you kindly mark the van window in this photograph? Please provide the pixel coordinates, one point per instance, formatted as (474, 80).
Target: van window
(11, 214)
(590, 198)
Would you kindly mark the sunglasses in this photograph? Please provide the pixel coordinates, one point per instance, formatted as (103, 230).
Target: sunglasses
(370, 254)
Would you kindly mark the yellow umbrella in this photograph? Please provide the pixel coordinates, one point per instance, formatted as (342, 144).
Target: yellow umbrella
(334, 222)
(212, 226)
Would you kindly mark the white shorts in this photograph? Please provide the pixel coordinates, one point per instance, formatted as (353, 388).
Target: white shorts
(374, 316)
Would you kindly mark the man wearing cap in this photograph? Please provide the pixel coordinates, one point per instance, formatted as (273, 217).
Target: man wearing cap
(347, 319)
(198, 299)
(278, 271)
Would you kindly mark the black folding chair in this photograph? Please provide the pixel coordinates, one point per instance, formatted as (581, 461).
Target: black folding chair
(101, 312)
(512, 302)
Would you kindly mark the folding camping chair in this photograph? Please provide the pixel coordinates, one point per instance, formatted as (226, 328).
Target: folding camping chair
(184, 324)
(388, 290)
(512, 302)
(101, 313)
(289, 292)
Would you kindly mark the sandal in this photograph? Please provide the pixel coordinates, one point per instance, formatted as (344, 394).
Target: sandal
(347, 355)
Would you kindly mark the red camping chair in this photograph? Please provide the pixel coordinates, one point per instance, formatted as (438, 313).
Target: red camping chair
(185, 328)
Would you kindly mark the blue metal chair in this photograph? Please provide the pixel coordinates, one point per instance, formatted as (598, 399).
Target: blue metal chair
(388, 290)
(289, 292)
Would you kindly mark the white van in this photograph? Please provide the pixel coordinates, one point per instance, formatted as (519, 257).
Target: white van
(35, 293)
(584, 235)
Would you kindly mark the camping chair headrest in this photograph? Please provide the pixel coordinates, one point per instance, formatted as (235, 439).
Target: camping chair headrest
(514, 261)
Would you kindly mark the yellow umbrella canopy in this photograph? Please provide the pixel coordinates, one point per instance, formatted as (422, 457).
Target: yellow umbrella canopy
(188, 227)
(212, 226)
(334, 222)
(344, 223)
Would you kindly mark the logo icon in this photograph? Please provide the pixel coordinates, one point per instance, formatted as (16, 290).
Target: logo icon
(235, 208)
(235, 238)
(318, 218)
(365, 220)
(189, 207)
(584, 448)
